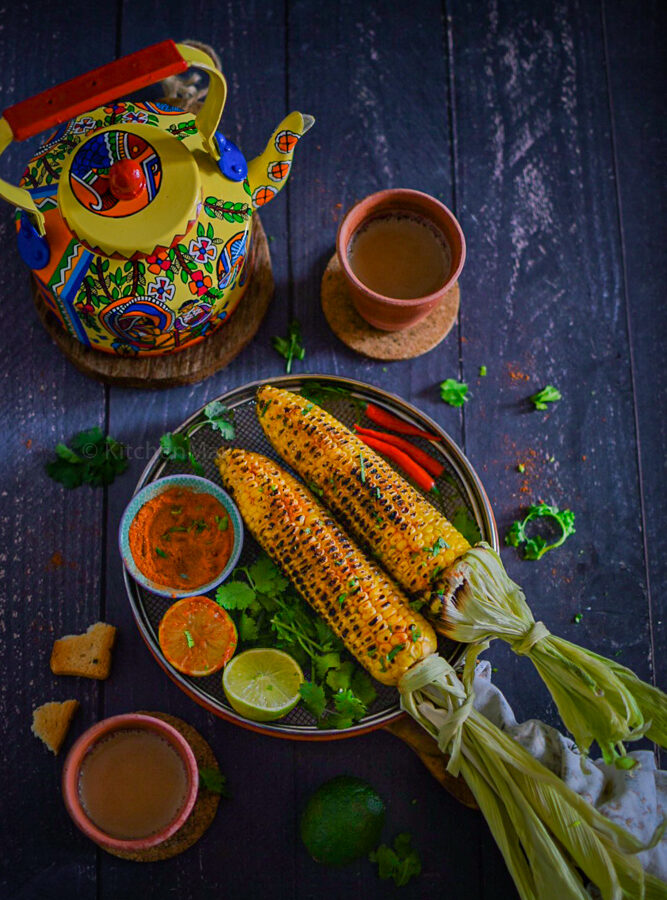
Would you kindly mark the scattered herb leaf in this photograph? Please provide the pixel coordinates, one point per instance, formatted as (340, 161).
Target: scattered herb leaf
(160, 553)
(453, 392)
(213, 780)
(400, 862)
(482, 371)
(93, 458)
(577, 617)
(536, 547)
(548, 394)
(290, 347)
(188, 638)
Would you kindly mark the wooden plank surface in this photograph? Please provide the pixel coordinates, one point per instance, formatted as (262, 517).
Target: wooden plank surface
(523, 118)
(50, 538)
(640, 166)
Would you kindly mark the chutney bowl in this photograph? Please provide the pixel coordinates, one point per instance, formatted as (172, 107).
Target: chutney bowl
(154, 489)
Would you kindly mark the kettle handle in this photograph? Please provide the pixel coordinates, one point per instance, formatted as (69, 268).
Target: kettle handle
(101, 85)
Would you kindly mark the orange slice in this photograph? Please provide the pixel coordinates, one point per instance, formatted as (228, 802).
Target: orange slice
(197, 636)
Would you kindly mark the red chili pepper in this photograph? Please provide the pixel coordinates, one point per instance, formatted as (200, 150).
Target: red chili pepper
(410, 467)
(388, 420)
(420, 456)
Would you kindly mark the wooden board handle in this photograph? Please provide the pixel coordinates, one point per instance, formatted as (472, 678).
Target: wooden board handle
(427, 750)
(95, 88)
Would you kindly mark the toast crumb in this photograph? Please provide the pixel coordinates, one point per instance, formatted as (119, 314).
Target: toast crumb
(87, 655)
(51, 721)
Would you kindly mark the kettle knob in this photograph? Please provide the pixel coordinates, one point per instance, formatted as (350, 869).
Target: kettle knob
(126, 179)
(34, 248)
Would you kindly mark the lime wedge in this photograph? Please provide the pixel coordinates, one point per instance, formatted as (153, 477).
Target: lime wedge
(262, 684)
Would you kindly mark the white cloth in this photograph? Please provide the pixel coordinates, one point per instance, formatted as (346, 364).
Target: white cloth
(634, 798)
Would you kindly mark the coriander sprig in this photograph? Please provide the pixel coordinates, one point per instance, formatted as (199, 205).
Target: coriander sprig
(535, 547)
(177, 446)
(290, 347)
(453, 392)
(269, 613)
(93, 458)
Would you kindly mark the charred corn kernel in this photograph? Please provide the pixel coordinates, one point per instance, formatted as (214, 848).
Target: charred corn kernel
(325, 566)
(412, 540)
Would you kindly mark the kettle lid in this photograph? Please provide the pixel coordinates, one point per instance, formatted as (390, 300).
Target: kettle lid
(129, 190)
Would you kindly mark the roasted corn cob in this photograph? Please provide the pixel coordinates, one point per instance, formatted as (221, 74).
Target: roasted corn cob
(354, 597)
(466, 593)
(410, 538)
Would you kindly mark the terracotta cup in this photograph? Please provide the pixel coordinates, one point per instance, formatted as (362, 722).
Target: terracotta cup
(388, 313)
(72, 769)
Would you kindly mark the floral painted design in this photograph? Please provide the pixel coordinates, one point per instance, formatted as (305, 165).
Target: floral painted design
(203, 249)
(158, 262)
(83, 125)
(137, 118)
(199, 283)
(161, 288)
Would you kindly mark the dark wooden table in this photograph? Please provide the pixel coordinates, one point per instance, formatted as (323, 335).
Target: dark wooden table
(538, 124)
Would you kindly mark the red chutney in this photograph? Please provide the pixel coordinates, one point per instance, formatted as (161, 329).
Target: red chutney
(181, 539)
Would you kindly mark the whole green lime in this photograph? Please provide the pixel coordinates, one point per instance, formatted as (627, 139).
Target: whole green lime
(342, 821)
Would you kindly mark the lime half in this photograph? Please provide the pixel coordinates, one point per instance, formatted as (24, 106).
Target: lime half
(262, 684)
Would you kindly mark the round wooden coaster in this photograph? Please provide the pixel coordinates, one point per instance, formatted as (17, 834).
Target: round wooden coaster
(205, 807)
(347, 324)
(187, 366)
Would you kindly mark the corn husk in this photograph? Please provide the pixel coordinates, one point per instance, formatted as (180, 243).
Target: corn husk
(597, 699)
(553, 841)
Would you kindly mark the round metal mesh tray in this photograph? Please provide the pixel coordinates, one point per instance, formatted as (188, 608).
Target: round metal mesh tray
(458, 486)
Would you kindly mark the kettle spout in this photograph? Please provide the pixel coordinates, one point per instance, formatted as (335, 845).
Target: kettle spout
(268, 172)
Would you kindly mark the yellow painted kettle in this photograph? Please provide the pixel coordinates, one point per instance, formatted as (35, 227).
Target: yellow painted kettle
(136, 217)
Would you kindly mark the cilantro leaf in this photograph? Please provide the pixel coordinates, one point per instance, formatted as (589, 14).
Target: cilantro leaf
(235, 595)
(535, 547)
(98, 461)
(340, 679)
(266, 576)
(63, 452)
(326, 661)
(348, 705)
(453, 392)
(221, 419)
(548, 394)
(363, 687)
(313, 698)
(213, 780)
(290, 347)
(466, 525)
(175, 446)
(248, 628)
(85, 439)
(400, 863)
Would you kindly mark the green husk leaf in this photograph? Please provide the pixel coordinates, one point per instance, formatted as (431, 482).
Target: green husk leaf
(545, 831)
(596, 698)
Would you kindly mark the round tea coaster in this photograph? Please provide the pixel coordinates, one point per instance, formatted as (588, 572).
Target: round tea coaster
(187, 366)
(205, 806)
(347, 324)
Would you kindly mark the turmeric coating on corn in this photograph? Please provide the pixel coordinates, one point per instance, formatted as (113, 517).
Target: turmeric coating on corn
(412, 540)
(355, 598)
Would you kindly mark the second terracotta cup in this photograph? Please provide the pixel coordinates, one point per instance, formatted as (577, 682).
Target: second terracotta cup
(387, 313)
